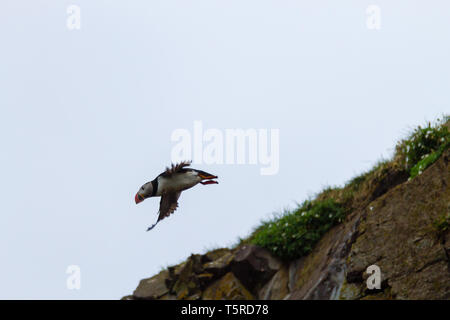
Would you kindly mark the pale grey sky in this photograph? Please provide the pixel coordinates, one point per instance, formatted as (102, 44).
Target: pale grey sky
(87, 116)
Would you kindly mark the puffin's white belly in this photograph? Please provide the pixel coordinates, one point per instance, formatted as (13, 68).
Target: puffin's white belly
(177, 182)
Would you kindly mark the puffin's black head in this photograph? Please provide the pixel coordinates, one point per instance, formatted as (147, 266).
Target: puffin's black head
(144, 192)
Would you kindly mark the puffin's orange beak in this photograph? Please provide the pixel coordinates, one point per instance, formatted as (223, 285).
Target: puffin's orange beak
(207, 176)
(138, 198)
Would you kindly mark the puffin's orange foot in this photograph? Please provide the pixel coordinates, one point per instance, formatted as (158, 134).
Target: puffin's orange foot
(209, 182)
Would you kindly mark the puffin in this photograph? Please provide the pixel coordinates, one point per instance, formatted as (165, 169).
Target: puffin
(169, 185)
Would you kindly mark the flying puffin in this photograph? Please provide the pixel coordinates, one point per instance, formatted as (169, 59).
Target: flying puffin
(169, 184)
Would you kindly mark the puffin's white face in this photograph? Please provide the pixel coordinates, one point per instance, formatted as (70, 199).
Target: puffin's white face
(144, 192)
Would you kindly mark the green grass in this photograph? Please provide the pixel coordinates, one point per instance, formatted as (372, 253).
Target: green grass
(295, 233)
(423, 147)
(428, 160)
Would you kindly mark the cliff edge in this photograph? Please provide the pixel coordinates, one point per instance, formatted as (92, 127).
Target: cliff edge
(395, 217)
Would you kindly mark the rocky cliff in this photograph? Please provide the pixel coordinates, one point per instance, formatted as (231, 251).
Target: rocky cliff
(393, 221)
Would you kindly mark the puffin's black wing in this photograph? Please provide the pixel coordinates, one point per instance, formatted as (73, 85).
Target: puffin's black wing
(167, 205)
(176, 168)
